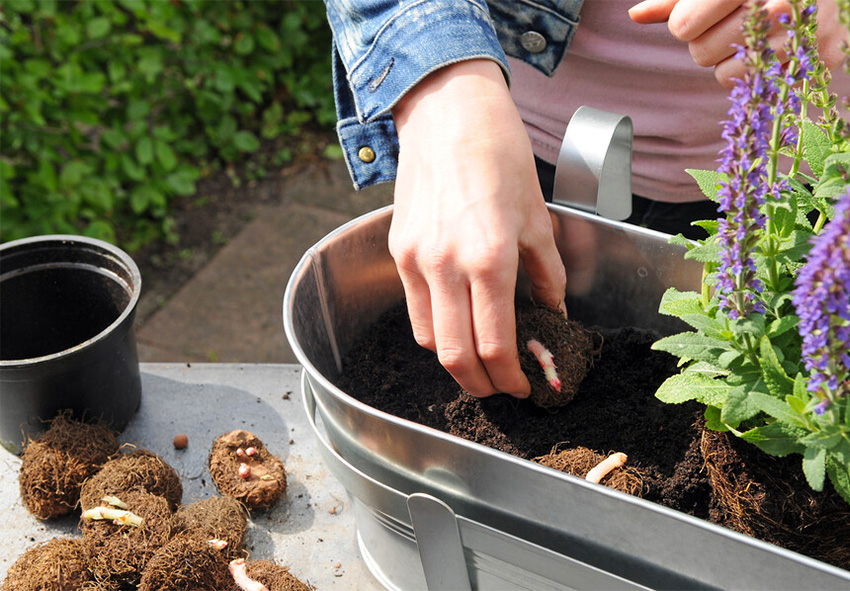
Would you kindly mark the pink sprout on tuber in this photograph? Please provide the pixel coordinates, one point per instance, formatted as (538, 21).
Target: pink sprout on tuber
(601, 470)
(240, 576)
(547, 362)
(244, 470)
(240, 452)
(218, 544)
(250, 451)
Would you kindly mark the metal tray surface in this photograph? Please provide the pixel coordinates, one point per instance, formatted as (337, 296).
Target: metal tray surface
(544, 529)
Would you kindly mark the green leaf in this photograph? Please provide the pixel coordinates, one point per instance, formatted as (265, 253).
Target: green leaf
(692, 346)
(777, 439)
(814, 467)
(705, 253)
(816, 146)
(98, 28)
(144, 150)
(72, 174)
(778, 409)
(246, 141)
(707, 180)
(738, 406)
(827, 438)
(778, 382)
(165, 155)
(131, 168)
(243, 44)
(182, 181)
(679, 303)
(267, 39)
(712, 419)
(839, 476)
(692, 386)
(704, 324)
(781, 325)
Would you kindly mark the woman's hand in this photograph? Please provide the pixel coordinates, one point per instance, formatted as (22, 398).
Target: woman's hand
(711, 27)
(468, 209)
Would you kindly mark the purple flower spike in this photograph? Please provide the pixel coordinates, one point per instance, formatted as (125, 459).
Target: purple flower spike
(822, 300)
(743, 159)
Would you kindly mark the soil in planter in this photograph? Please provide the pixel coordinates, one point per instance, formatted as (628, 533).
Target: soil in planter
(613, 409)
(55, 565)
(242, 468)
(55, 464)
(765, 497)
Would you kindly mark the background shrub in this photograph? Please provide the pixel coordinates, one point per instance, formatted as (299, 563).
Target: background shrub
(111, 108)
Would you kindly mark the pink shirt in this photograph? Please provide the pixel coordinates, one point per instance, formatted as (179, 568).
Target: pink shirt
(641, 71)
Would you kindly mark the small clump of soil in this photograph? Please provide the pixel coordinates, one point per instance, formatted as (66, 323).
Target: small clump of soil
(764, 496)
(262, 480)
(119, 553)
(275, 577)
(578, 461)
(139, 468)
(55, 464)
(223, 518)
(59, 564)
(187, 563)
(571, 345)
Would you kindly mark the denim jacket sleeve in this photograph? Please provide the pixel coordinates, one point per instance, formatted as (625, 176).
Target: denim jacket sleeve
(382, 48)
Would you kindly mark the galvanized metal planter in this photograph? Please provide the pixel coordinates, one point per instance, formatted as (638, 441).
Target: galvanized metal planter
(438, 512)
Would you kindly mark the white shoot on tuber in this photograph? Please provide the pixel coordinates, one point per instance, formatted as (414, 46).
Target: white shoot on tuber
(240, 576)
(117, 516)
(218, 544)
(244, 471)
(115, 502)
(603, 468)
(547, 362)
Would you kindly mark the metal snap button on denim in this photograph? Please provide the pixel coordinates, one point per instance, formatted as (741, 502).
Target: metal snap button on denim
(366, 154)
(532, 41)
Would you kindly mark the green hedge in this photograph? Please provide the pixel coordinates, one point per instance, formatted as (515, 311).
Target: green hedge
(111, 108)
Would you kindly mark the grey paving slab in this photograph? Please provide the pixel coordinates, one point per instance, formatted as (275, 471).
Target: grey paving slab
(230, 311)
(311, 530)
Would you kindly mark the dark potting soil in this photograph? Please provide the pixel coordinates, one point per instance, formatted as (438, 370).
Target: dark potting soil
(614, 408)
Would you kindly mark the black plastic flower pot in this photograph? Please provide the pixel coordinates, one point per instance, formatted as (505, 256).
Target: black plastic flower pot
(67, 341)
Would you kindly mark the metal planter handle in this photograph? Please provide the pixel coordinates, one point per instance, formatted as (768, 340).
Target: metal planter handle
(594, 169)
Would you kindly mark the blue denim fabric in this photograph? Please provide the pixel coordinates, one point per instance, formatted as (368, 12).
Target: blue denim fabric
(382, 48)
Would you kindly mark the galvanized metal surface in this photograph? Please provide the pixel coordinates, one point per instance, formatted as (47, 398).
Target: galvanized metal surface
(544, 529)
(311, 530)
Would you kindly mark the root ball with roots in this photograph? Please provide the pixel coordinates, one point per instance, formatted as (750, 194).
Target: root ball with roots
(59, 564)
(571, 346)
(55, 464)
(275, 577)
(187, 563)
(216, 518)
(766, 497)
(242, 468)
(579, 461)
(137, 469)
(119, 553)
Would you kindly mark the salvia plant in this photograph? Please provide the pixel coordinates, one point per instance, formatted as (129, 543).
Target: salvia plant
(768, 353)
